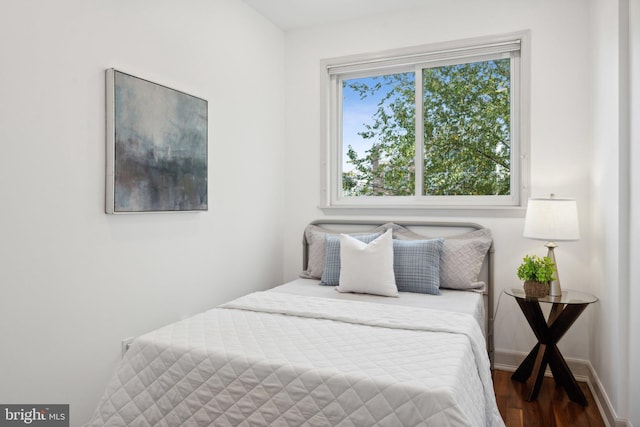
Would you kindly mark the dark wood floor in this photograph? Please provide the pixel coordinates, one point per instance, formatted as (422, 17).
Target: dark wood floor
(552, 408)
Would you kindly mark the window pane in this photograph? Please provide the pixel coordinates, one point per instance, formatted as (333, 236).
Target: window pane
(378, 135)
(467, 136)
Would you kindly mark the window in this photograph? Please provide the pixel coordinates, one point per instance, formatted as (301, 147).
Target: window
(428, 127)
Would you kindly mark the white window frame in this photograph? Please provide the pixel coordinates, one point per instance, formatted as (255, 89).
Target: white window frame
(334, 71)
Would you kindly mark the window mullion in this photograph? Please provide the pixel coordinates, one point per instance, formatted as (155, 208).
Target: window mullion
(516, 135)
(419, 133)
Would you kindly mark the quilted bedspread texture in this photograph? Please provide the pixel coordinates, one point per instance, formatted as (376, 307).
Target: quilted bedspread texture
(271, 359)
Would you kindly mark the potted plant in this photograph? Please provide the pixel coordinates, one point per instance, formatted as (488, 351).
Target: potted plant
(537, 273)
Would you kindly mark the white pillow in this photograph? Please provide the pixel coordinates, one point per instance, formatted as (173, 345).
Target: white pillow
(367, 268)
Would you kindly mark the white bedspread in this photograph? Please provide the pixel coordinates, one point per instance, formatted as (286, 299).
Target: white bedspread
(469, 302)
(271, 359)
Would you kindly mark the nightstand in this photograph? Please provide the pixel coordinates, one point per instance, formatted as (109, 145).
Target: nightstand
(565, 310)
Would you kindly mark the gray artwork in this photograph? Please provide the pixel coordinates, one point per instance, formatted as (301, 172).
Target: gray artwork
(159, 147)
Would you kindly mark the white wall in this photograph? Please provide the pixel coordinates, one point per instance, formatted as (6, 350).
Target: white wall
(74, 282)
(560, 133)
(605, 184)
(634, 253)
(616, 199)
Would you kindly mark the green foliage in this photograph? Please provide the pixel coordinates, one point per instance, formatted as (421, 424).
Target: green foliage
(466, 123)
(539, 269)
(467, 129)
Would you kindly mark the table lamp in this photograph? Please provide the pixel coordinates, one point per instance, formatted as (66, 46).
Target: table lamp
(552, 220)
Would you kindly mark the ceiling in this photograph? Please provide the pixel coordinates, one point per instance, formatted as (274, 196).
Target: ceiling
(290, 14)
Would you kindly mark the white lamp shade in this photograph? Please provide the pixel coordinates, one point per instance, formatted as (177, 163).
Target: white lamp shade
(552, 220)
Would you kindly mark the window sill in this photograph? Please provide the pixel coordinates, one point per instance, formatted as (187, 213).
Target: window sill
(435, 211)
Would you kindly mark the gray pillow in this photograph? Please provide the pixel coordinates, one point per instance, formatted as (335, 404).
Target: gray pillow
(331, 273)
(400, 232)
(461, 259)
(315, 252)
(416, 265)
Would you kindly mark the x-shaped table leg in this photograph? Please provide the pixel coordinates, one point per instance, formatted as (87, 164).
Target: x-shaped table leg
(548, 332)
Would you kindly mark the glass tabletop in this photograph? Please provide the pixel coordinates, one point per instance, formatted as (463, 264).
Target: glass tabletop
(568, 296)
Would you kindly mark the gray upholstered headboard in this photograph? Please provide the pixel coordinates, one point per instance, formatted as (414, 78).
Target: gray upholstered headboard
(429, 230)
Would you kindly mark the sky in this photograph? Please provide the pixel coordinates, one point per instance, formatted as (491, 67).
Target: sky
(356, 113)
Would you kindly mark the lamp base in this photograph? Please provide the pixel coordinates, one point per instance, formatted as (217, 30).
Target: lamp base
(555, 290)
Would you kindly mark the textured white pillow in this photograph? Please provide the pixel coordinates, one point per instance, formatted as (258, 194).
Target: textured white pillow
(461, 259)
(367, 268)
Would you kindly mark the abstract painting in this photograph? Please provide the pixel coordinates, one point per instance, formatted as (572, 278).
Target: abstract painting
(156, 147)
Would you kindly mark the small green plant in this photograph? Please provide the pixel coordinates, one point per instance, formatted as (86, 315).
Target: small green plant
(538, 269)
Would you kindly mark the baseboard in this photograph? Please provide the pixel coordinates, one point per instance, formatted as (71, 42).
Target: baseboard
(507, 360)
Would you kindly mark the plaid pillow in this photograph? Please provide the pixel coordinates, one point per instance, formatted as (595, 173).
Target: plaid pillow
(416, 265)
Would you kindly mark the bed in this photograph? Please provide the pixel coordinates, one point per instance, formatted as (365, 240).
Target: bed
(303, 353)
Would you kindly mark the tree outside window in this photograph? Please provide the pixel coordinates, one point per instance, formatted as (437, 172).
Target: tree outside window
(465, 118)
